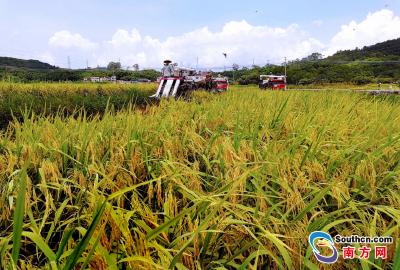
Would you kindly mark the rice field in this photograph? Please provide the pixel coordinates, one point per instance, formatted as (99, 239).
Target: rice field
(18, 100)
(348, 86)
(230, 181)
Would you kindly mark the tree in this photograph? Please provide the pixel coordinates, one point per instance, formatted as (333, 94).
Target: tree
(313, 57)
(235, 67)
(114, 66)
(136, 67)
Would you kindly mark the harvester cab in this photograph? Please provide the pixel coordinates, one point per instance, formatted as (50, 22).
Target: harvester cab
(273, 82)
(175, 82)
(221, 84)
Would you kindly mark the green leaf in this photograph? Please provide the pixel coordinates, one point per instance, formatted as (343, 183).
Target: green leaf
(312, 204)
(41, 244)
(64, 241)
(19, 215)
(82, 245)
(396, 262)
(154, 233)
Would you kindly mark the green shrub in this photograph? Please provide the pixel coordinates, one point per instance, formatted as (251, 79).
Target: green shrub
(385, 80)
(359, 80)
(305, 81)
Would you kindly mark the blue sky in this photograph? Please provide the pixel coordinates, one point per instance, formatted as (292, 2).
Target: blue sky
(145, 32)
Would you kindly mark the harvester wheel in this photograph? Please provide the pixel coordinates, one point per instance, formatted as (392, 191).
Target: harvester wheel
(184, 91)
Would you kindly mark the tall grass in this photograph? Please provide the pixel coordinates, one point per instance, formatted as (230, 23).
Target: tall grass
(230, 181)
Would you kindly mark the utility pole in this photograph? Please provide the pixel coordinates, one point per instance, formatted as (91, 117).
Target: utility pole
(285, 73)
(197, 63)
(69, 62)
(87, 64)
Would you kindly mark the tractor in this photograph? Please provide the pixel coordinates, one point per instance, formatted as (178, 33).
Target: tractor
(273, 82)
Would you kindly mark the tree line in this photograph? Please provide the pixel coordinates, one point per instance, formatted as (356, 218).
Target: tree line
(319, 72)
(56, 75)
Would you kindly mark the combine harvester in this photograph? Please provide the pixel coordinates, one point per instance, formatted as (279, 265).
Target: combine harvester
(179, 82)
(273, 82)
(219, 84)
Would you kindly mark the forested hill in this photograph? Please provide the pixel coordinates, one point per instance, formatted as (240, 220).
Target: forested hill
(14, 63)
(384, 51)
(379, 63)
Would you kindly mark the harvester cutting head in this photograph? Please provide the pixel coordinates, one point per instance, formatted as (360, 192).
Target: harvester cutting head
(169, 86)
(175, 82)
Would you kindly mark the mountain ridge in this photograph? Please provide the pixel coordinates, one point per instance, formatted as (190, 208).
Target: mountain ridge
(30, 64)
(383, 51)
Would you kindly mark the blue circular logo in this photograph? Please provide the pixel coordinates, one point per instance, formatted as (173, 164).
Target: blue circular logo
(326, 240)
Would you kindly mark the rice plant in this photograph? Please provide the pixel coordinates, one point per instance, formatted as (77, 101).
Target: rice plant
(230, 181)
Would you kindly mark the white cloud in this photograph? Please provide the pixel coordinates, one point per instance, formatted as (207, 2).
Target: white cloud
(66, 39)
(242, 42)
(376, 27)
(124, 38)
(46, 57)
